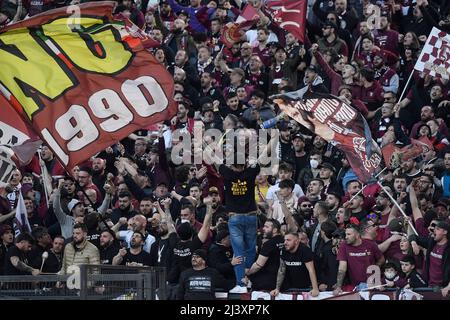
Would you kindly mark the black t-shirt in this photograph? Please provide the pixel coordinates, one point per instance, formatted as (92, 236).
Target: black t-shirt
(266, 277)
(239, 188)
(297, 276)
(107, 254)
(162, 251)
(200, 284)
(142, 258)
(300, 163)
(9, 268)
(181, 259)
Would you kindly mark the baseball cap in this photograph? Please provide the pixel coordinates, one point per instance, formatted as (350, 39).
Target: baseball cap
(327, 165)
(312, 68)
(201, 253)
(212, 190)
(72, 204)
(443, 225)
(298, 136)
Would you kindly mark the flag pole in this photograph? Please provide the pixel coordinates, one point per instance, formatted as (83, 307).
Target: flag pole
(406, 85)
(398, 206)
(44, 176)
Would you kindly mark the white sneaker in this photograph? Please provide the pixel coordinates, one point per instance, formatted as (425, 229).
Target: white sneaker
(238, 289)
(249, 284)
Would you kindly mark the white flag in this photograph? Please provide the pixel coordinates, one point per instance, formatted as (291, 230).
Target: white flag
(21, 223)
(435, 56)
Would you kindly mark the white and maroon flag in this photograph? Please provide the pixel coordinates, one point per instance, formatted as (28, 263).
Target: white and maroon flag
(435, 56)
(289, 15)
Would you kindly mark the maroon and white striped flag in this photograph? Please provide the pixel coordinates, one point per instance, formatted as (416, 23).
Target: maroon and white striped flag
(435, 56)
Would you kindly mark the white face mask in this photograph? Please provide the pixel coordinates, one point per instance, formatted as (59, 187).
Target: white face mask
(185, 220)
(313, 163)
(390, 275)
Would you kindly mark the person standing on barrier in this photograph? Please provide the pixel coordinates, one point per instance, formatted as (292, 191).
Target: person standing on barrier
(80, 250)
(239, 182)
(263, 272)
(17, 257)
(296, 271)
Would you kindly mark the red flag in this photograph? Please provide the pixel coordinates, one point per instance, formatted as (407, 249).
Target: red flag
(394, 156)
(233, 31)
(84, 83)
(341, 125)
(289, 15)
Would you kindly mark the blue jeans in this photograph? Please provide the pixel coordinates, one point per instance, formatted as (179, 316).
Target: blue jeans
(243, 240)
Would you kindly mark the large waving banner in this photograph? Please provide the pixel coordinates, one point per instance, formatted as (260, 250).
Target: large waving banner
(340, 124)
(85, 82)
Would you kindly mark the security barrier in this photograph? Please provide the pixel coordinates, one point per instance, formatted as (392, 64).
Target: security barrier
(89, 282)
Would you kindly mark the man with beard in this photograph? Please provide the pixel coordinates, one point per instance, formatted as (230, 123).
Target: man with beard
(55, 256)
(383, 207)
(125, 209)
(263, 272)
(298, 154)
(355, 255)
(437, 259)
(333, 201)
(384, 74)
(166, 238)
(138, 224)
(99, 176)
(410, 169)
(134, 256)
(427, 114)
(386, 38)
(208, 90)
(182, 61)
(182, 120)
(200, 282)
(233, 106)
(305, 213)
(80, 250)
(296, 270)
(109, 247)
(16, 260)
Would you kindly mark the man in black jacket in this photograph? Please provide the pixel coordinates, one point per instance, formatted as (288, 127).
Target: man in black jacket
(200, 282)
(437, 267)
(220, 255)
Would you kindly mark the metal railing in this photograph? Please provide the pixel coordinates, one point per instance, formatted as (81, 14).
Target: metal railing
(89, 282)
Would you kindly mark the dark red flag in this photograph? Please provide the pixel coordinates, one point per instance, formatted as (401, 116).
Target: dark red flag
(289, 15)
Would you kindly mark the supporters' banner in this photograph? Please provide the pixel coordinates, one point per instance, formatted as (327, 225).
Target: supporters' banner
(289, 15)
(394, 156)
(84, 83)
(435, 56)
(341, 125)
(233, 31)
